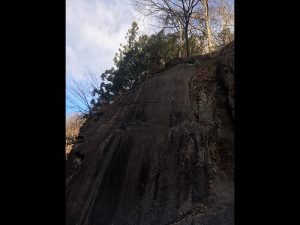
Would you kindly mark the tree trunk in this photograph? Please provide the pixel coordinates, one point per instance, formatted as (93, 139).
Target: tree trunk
(207, 25)
(222, 14)
(180, 55)
(187, 41)
(224, 20)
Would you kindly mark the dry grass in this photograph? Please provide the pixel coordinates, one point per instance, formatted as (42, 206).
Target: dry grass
(73, 124)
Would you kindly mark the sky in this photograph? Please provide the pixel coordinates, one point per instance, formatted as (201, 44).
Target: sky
(94, 31)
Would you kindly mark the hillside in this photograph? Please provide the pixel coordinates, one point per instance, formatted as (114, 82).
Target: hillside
(161, 154)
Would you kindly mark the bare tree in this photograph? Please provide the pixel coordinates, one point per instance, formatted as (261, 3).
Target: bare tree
(225, 13)
(203, 18)
(187, 9)
(172, 14)
(207, 25)
(80, 92)
(213, 17)
(167, 18)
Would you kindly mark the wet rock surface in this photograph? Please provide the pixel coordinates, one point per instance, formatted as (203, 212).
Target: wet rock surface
(161, 154)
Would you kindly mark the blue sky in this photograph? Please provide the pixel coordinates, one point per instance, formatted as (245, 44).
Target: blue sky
(94, 31)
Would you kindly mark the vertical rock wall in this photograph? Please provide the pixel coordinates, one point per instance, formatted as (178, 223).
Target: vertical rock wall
(161, 154)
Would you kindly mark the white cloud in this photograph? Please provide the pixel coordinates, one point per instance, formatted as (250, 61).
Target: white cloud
(94, 31)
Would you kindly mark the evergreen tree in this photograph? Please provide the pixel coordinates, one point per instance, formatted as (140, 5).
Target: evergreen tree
(137, 59)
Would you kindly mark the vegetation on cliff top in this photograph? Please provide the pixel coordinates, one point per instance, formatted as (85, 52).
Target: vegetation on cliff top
(188, 28)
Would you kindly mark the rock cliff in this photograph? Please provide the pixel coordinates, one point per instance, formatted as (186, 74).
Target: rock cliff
(161, 154)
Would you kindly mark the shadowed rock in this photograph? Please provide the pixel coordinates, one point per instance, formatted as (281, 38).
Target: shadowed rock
(160, 155)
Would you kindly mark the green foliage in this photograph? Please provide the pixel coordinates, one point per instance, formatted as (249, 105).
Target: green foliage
(140, 57)
(137, 59)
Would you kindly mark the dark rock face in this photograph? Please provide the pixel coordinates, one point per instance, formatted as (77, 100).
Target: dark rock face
(162, 154)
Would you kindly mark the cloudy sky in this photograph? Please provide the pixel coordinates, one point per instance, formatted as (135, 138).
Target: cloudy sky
(94, 31)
